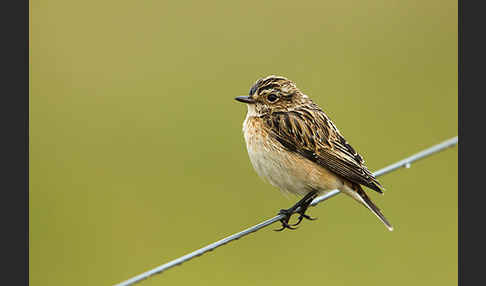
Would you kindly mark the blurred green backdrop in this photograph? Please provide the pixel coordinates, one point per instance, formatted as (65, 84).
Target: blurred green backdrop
(137, 155)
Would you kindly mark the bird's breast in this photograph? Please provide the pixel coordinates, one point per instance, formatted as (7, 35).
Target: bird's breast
(286, 170)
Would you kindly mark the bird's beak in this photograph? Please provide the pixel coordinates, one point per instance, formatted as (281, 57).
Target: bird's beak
(245, 99)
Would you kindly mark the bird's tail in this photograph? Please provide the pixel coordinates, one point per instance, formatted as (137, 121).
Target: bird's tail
(360, 195)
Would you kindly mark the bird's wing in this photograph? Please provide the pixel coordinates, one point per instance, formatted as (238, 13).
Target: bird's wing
(310, 133)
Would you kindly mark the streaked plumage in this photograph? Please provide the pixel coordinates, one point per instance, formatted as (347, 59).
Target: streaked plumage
(294, 145)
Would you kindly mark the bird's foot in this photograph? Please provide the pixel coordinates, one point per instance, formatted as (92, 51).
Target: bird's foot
(301, 217)
(304, 204)
(285, 220)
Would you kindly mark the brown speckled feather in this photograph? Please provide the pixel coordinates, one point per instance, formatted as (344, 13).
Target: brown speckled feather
(308, 131)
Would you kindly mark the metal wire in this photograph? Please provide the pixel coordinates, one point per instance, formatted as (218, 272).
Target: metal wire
(403, 163)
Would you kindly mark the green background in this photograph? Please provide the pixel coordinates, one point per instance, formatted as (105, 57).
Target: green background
(137, 155)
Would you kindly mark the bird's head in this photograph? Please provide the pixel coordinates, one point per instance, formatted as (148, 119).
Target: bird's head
(273, 94)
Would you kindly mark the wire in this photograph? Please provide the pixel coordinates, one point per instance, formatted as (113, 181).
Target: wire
(403, 163)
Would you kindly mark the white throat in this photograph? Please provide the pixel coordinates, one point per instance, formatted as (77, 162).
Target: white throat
(251, 110)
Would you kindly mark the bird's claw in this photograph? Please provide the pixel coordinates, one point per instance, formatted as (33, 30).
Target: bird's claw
(304, 203)
(285, 220)
(301, 217)
(285, 225)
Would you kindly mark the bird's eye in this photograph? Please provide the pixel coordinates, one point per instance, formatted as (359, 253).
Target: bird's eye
(272, 97)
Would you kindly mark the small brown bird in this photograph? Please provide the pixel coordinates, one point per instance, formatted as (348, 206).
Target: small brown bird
(294, 145)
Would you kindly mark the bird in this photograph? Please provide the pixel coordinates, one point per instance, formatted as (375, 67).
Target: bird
(293, 145)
